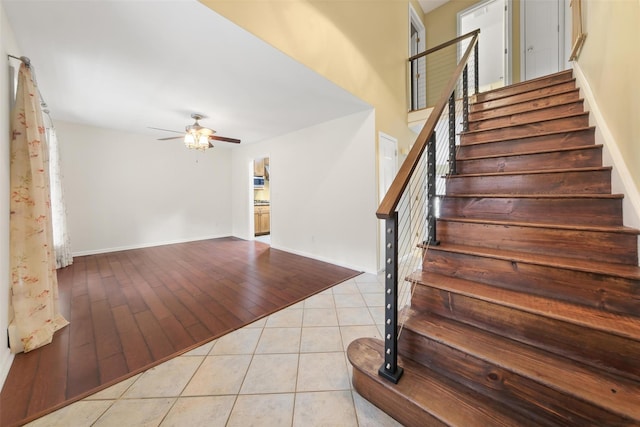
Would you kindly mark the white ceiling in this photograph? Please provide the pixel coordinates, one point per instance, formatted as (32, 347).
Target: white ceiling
(130, 65)
(428, 5)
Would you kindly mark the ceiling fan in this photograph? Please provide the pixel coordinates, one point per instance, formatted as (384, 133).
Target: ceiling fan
(197, 136)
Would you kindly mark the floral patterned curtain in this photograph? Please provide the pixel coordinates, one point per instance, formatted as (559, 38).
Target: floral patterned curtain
(34, 284)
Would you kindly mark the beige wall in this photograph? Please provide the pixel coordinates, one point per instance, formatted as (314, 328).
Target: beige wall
(610, 60)
(361, 46)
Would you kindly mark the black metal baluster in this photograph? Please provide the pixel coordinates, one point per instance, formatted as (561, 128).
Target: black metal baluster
(390, 369)
(475, 68)
(452, 134)
(465, 98)
(431, 191)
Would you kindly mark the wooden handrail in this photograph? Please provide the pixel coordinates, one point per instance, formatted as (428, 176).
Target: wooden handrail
(392, 198)
(443, 45)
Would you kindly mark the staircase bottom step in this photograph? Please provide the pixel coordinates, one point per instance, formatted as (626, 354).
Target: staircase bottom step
(423, 397)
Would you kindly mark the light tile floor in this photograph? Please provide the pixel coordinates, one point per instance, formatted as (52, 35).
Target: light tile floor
(289, 369)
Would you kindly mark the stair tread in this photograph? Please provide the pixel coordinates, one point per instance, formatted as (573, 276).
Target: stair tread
(617, 324)
(625, 271)
(551, 370)
(526, 123)
(531, 172)
(516, 104)
(449, 402)
(606, 229)
(537, 196)
(528, 153)
(526, 82)
(537, 135)
(529, 110)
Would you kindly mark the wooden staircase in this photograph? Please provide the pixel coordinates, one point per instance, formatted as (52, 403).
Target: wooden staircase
(528, 312)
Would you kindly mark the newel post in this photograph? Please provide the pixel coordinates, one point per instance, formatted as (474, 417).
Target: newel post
(390, 369)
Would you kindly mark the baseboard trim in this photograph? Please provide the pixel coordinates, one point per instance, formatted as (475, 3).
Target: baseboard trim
(323, 259)
(144, 245)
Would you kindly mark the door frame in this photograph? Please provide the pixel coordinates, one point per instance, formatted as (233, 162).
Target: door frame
(416, 21)
(252, 224)
(507, 35)
(563, 6)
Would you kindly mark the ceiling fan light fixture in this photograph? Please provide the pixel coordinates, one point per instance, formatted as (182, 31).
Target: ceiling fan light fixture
(189, 140)
(203, 142)
(197, 136)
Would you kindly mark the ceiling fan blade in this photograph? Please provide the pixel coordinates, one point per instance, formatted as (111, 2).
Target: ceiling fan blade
(166, 130)
(171, 137)
(225, 139)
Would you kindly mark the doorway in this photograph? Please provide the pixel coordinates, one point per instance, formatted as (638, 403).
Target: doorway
(493, 18)
(262, 200)
(417, 43)
(542, 33)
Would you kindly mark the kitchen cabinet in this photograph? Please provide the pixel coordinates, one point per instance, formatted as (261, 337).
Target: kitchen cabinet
(258, 167)
(262, 220)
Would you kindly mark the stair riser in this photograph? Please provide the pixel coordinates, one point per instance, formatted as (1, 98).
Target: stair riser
(522, 131)
(506, 387)
(613, 294)
(590, 245)
(573, 182)
(525, 87)
(527, 117)
(526, 96)
(601, 350)
(549, 101)
(595, 212)
(523, 145)
(582, 158)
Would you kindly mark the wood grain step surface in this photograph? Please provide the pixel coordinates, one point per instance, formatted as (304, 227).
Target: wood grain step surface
(507, 370)
(605, 286)
(597, 338)
(560, 181)
(541, 126)
(582, 209)
(422, 397)
(574, 157)
(604, 244)
(512, 145)
(571, 95)
(524, 96)
(531, 115)
(526, 86)
(631, 272)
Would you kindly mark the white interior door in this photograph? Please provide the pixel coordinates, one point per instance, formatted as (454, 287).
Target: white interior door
(387, 170)
(542, 37)
(492, 18)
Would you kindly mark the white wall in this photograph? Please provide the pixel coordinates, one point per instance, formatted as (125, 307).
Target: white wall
(127, 190)
(8, 46)
(323, 191)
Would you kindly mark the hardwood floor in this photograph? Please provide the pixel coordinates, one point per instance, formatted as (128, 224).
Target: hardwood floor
(131, 310)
